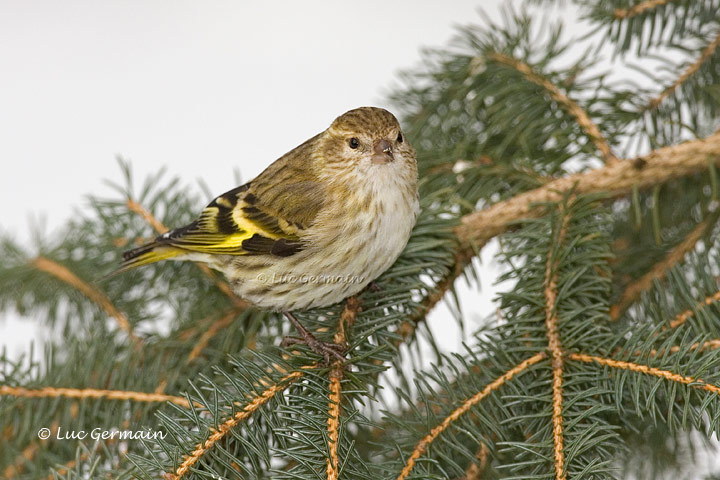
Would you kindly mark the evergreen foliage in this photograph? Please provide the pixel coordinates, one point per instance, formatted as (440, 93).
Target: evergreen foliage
(603, 360)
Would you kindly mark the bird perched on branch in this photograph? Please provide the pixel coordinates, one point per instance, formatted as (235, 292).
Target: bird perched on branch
(317, 226)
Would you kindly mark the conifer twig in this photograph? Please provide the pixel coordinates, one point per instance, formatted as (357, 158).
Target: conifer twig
(555, 347)
(707, 345)
(689, 72)
(63, 273)
(475, 470)
(347, 318)
(616, 179)
(622, 13)
(67, 466)
(421, 447)
(639, 368)
(25, 456)
(659, 271)
(52, 392)
(223, 429)
(435, 295)
(208, 334)
(681, 318)
(581, 117)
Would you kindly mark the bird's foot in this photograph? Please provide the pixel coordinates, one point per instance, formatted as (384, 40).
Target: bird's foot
(327, 350)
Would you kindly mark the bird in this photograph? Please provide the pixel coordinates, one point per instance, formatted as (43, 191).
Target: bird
(318, 225)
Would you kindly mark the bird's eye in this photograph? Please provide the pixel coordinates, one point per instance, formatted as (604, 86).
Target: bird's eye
(400, 138)
(354, 143)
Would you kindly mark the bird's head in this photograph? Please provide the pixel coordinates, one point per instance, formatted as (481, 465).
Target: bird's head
(367, 141)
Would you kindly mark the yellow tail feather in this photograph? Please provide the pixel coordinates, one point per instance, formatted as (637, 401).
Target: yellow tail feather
(145, 255)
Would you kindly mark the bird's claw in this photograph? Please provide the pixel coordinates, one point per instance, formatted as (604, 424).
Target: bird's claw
(327, 350)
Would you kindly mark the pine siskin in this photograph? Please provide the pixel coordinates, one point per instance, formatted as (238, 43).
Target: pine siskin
(317, 226)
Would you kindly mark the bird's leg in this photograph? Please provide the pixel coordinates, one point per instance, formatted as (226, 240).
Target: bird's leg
(326, 349)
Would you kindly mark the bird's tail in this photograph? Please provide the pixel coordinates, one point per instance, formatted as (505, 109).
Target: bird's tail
(149, 253)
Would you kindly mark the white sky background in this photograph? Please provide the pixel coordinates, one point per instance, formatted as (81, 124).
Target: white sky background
(200, 87)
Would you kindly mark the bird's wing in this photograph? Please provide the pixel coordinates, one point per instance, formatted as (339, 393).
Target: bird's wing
(253, 220)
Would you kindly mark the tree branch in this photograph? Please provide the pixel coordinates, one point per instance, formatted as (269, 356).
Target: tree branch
(689, 72)
(681, 318)
(457, 413)
(555, 347)
(208, 334)
(63, 273)
(622, 13)
(617, 179)
(347, 318)
(656, 372)
(475, 470)
(659, 271)
(48, 392)
(582, 118)
(223, 429)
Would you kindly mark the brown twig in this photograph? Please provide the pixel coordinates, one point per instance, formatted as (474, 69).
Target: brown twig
(475, 470)
(347, 318)
(160, 228)
(223, 429)
(208, 334)
(555, 347)
(682, 317)
(462, 259)
(63, 273)
(622, 13)
(707, 345)
(68, 466)
(421, 447)
(619, 178)
(582, 118)
(659, 271)
(51, 392)
(639, 368)
(689, 72)
(25, 456)
(146, 215)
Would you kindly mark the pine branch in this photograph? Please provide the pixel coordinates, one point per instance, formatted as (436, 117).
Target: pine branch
(225, 427)
(707, 52)
(408, 327)
(554, 345)
(422, 447)
(475, 470)
(623, 13)
(134, 206)
(633, 291)
(647, 370)
(656, 167)
(347, 318)
(210, 332)
(571, 106)
(707, 345)
(683, 317)
(99, 298)
(52, 392)
(26, 456)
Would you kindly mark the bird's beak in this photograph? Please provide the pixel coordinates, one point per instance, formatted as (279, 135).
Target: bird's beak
(382, 152)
